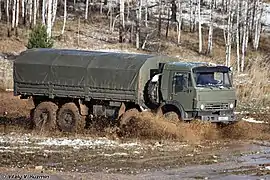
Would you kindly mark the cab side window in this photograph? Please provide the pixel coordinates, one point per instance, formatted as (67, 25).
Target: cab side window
(180, 81)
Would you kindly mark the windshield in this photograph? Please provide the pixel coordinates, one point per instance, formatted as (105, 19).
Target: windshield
(212, 79)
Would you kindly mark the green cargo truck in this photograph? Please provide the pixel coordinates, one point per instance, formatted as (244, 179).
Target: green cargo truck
(67, 86)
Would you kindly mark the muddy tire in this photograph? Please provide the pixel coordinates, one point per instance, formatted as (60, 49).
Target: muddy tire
(172, 116)
(69, 118)
(44, 116)
(150, 95)
(127, 120)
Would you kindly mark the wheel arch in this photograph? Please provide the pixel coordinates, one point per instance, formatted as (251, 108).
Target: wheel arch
(174, 106)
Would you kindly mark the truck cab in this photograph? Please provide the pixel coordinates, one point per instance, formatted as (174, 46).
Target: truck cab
(198, 91)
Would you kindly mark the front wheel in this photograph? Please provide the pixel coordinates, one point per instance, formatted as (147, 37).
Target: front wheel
(69, 118)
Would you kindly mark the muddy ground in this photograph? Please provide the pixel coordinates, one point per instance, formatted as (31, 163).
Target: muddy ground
(158, 149)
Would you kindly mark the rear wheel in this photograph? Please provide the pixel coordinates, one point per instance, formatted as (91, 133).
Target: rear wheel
(69, 118)
(44, 116)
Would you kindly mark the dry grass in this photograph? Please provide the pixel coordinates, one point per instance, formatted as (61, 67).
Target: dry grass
(150, 126)
(256, 91)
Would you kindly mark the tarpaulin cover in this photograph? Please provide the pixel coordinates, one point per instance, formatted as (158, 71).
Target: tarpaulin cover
(85, 69)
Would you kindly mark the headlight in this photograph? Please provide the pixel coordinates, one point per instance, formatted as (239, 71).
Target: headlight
(231, 105)
(202, 106)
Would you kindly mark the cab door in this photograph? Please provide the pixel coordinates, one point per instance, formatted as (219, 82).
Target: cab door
(181, 89)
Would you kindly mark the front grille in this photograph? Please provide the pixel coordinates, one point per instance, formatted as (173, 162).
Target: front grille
(217, 106)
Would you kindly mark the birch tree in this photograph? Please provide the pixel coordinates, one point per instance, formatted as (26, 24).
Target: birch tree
(54, 10)
(49, 19)
(122, 21)
(43, 11)
(17, 13)
(8, 18)
(23, 8)
(86, 9)
(35, 13)
(229, 33)
(13, 14)
(245, 36)
(65, 17)
(30, 9)
(200, 26)
(146, 13)
(139, 14)
(0, 10)
(257, 22)
(179, 27)
(210, 35)
(237, 35)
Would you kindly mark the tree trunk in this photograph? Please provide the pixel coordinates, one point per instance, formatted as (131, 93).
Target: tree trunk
(229, 34)
(191, 15)
(258, 24)
(111, 15)
(8, 18)
(200, 26)
(237, 36)
(0, 10)
(159, 18)
(13, 14)
(23, 9)
(30, 12)
(35, 13)
(210, 35)
(122, 21)
(139, 25)
(244, 36)
(168, 23)
(179, 22)
(49, 18)
(146, 13)
(101, 7)
(65, 17)
(86, 9)
(174, 10)
(54, 9)
(44, 12)
(17, 13)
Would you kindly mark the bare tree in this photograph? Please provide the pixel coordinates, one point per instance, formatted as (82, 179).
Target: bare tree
(257, 22)
(13, 14)
(210, 35)
(43, 11)
(30, 10)
(35, 13)
(111, 15)
(200, 25)
(122, 21)
(245, 35)
(139, 17)
(179, 27)
(237, 35)
(86, 9)
(49, 18)
(8, 18)
(54, 10)
(229, 33)
(65, 17)
(146, 13)
(17, 14)
(0, 10)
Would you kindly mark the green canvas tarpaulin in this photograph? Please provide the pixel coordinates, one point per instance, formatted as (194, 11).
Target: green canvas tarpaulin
(83, 73)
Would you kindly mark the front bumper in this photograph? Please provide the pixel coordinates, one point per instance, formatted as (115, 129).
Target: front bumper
(217, 117)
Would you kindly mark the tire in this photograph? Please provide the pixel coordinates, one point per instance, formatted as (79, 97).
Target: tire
(172, 116)
(44, 116)
(150, 95)
(69, 118)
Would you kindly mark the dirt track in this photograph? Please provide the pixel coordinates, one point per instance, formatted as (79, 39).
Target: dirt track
(157, 151)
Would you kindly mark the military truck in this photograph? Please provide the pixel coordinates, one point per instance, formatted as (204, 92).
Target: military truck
(69, 86)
